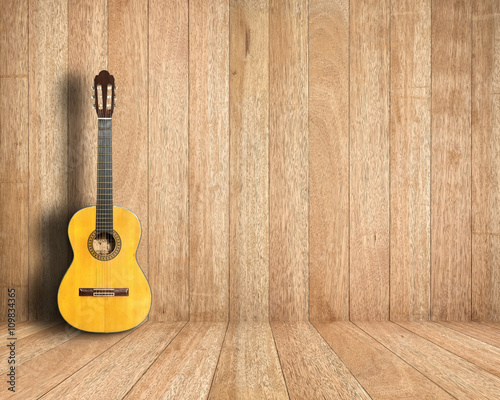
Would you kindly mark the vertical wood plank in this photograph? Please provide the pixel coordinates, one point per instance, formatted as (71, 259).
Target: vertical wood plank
(168, 160)
(451, 161)
(14, 85)
(288, 157)
(486, 160)
(209, 160)
(369, 164)
(329, 159)
(14, 155)
(88, 48)
(249, 179)
(49, 254)
(410, 84)
(14, 232)
(128, 63)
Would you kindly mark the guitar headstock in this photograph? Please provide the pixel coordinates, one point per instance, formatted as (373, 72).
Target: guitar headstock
(104, 94)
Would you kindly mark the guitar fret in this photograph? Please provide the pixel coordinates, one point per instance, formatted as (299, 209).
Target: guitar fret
(104, 207)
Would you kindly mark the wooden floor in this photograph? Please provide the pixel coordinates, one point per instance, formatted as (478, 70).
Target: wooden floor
(199, 360)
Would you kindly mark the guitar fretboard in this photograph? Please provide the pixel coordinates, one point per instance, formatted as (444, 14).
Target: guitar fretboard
(104, 211)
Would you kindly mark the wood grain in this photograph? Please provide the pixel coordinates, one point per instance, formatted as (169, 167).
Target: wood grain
(451, 161)
(369, 162)
(14, 156)
(209, 160)
(168, 161)
(410, 139)
(248, 344)
(113, 373)
(33, 346)
(14, 39)
(465, 382)
(482, 354)
(249, 163)
(487, 334)
(185, 369)
(42, 373)
(495, 325)
(128, 63)
(88, 55)
(25, 329)
(329, 160)
(49, 254)
(288, 160)
(14, 90)
(381, 373)
(311, 369)
(14, 273)
(485, 160)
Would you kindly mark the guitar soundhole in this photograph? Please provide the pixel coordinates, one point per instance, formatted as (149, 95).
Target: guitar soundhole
(103, 245)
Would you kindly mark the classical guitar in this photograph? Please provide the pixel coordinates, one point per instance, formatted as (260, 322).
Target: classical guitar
(104, 289)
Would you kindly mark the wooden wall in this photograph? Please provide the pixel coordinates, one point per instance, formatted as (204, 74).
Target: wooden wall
(308, 159)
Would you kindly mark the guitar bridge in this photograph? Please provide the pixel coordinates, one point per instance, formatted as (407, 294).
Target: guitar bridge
(103, 292)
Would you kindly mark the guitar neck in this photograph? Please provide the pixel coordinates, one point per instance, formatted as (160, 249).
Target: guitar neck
(104, 209)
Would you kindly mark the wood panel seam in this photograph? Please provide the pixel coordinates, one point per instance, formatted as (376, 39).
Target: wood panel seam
(279, 360)
(158, 356)
(397, 355)
(331, 348)
(84, 365)
(218, 359)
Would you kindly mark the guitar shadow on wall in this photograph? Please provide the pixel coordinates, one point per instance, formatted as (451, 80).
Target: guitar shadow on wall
(53, 254)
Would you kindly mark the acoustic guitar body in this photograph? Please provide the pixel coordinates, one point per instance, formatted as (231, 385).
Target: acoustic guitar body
(104, 290)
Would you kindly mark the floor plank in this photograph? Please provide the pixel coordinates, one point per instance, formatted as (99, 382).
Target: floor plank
(482, 354)
(382, 374)
(38, 343)
(248, 367)
(494, 325)
(42, 373)
(111, 375)
(485, 333)
(185, 369)
(29, 328)
(457, 376)
(311, 369)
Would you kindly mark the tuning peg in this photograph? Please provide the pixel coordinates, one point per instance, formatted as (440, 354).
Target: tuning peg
(93, 97)
(116, 87)
(93, 88)
(114, 98)
(115, 105)
(93, 105)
